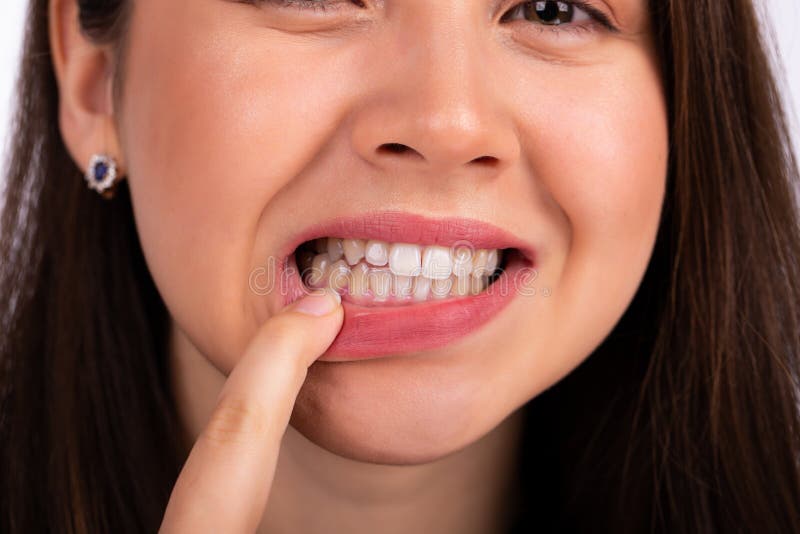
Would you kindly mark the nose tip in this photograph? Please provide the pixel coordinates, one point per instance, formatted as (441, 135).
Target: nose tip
(434, 136)
(461, 146)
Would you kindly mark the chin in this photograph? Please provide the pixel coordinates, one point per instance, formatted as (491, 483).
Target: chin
(361, 412)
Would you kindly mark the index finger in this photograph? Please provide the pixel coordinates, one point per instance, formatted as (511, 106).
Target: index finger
(224, 484)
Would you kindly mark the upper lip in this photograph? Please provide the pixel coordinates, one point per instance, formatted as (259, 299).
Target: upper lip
(404, 227)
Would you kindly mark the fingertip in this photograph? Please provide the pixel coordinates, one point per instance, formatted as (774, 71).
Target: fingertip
(317, 304)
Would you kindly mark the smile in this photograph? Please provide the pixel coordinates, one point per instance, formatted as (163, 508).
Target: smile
(408, 283)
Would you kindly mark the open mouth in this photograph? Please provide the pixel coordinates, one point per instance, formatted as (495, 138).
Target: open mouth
(372, 272)
(408, 282)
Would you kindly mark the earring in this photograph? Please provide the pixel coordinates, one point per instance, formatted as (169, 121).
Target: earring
(102, 174)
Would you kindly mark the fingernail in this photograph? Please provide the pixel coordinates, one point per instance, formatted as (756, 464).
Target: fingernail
(318, 304)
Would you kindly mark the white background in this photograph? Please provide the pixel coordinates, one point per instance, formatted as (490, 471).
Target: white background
(783, 16)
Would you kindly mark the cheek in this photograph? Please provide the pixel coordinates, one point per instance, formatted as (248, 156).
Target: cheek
(598, 147)
(206, 123)
(613, 181)
(216, 125)
(611, 166)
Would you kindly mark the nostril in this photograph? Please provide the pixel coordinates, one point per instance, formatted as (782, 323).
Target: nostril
(486, 160)
(394, 148)
(399, 148)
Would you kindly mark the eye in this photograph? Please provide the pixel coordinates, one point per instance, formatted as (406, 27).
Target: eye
(556, 13)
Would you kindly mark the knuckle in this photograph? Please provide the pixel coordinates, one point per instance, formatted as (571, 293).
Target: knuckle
(236, 421)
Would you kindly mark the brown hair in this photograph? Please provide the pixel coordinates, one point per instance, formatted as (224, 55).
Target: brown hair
(685, 419)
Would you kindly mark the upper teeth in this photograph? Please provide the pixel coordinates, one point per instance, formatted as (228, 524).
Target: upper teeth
(375, 252)
(404, 259)
(407, 269)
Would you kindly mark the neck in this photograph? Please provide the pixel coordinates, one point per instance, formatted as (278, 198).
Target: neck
(469, 491)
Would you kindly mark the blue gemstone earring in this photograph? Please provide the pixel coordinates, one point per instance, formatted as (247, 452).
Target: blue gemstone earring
(102, 174)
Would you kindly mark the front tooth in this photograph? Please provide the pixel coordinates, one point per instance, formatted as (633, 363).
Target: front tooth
(319, 268)
(335, 250)
(353, 250)
(359, 282)
(422, 287)
(441, 287)
(437, 264)
(401, 285)
(339, 276)
(405, 260)
(380, 282)
(462, 261)
(377, 252)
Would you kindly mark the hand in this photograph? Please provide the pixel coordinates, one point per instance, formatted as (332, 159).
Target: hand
(224, 484)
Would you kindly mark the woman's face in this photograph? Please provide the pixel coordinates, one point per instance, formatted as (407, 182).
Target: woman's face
(249, 126)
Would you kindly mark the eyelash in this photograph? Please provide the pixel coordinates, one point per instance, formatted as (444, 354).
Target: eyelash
(598, 16)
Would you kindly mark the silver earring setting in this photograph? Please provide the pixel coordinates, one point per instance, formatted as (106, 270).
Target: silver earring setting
(102, 173)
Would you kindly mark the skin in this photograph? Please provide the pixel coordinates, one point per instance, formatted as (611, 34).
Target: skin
(240, 124)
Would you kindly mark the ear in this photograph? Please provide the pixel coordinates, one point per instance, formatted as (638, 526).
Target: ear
(84, 74)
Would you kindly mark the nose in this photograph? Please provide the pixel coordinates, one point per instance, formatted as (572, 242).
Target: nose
(433, 107)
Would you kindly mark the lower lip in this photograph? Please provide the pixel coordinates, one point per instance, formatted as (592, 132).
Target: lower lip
(374, 331)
